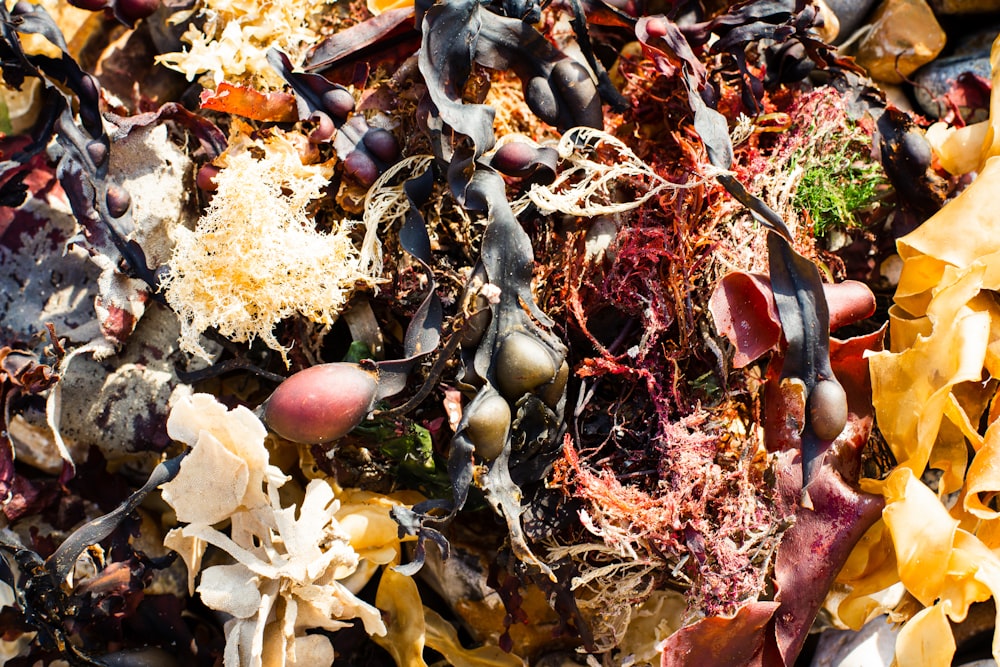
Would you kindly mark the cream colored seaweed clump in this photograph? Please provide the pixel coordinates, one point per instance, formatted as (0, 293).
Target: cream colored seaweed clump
(255, 257)
(231, 42)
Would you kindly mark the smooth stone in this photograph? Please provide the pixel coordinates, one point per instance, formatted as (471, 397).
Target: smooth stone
(976, 43)
(936, 80)
(974, 635)
(874, 645)
(830, 26)
(895, 94)
(903, 36)
(850, 14)
(952, 7)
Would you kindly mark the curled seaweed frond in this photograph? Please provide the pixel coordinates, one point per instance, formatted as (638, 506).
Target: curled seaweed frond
(598, 167)
(386, 204)
(591, 363)
(49, 604)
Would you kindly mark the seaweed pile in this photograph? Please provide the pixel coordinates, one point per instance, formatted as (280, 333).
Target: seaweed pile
(471, 333)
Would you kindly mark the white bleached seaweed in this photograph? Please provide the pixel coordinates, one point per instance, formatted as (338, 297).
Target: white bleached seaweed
(293, 568)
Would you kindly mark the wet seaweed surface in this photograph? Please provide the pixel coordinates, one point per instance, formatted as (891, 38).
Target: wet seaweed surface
(471, 333)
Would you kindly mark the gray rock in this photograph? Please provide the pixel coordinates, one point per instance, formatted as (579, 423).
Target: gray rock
(952, 7)
(872, 646)
(977, 43)
(955, 75)
(850, 13)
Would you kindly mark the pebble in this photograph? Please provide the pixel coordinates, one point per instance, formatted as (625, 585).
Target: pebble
(977, 43)
(952, 7)
(829, 27)
(874, 645)
(850, 15)
(953, 75)
(903, 35)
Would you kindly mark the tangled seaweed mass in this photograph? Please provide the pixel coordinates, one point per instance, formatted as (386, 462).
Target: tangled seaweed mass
(484, 334)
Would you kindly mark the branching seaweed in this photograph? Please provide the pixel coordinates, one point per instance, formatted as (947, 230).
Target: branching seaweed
(585, 186)
(101, 205)
(21, 374)
(676, 479)
(513, 364)
(40, 583)
(797, 283)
